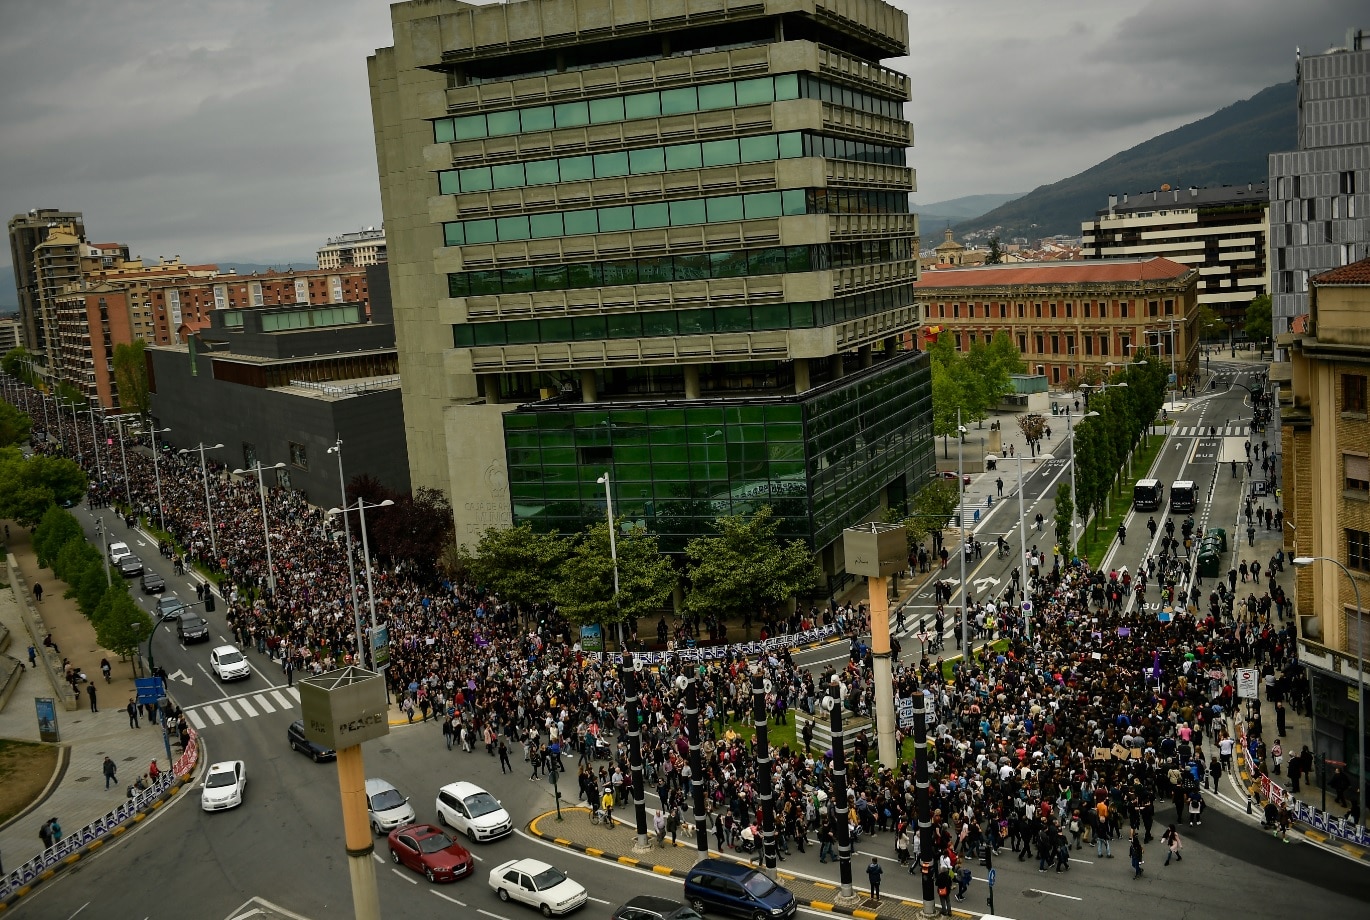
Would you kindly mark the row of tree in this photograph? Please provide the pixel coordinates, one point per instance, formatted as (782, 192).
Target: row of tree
(99, 591)
(971, 382)
(741, 569)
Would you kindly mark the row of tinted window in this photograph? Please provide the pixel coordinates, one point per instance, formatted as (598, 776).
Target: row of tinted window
(689, 212)
(757, 318)
(814, 88)
(695, 267)
(729, 152)
(681, 101)
(846, 201)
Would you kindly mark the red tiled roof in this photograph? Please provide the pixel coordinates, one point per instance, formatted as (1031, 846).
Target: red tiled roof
(1299, 324)
(1074, 272)
(1355, 273)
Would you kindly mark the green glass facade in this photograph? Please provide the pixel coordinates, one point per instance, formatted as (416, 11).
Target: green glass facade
(820, 459)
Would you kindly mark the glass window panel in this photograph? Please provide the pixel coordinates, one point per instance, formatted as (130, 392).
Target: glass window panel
(488, 333)
(513, 228)
(476, 179)
(538, 119)
(685, 213)
(683, 156)
(659, 322)
(508, 176)
(586, 328)
(754, 92)
(650, 160)
(678, 101)
(642, 105)
(443, 131)
(771, 316)
(583, 276)
(787, 86)
(728, 264)
(733, 319)
(695, 322)
(501, 123)
(522, 332)
(611, 219)
(620, 273)
(801, 314)
(760, 149)
(792, 201)
(798, 258)
(449, 182)
(791, 145)
(469, 127)
(608, 165)
(555, 330)
(717, 96)
(665, 473)
(546, 226)
(542, 172)
(461, 336)
(665, 435)
(646, 216)
(726, 208)
(603, 111)
(784, 431)
(549, 277)
(624, 325)
(516, 280)
(480, 231)
(458, 285)
(576, 168)
(579, 222)
(720, 153)
(690, 267)
(762, 204)
(766, 261)
(572, 114)
(453, 233)
(654, 271)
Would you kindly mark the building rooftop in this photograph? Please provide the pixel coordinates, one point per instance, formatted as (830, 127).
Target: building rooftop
(1357, 273)
(1074, 272)
(1256, 193)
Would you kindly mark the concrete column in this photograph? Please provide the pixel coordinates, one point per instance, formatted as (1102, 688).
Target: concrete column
(492, 394)
(801, 375)
(692, 381)
(589, 390)
(357, 833)
(864, 357)
(884, 669)
(839, 366)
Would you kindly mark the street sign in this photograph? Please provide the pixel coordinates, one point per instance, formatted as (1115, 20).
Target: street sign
(149, 689)
(992, 873)
(906, 712)
(1246, 683)
(1027, 606)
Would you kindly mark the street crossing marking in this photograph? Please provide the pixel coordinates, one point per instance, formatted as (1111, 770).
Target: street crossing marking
(229, 710)
(284, 701)
(220, 711)
(195, 720)
(214, 716)
(1202, 431)
(246, 707)
(262, 701)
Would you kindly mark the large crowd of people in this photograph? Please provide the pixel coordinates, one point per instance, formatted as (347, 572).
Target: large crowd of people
(1082, 731)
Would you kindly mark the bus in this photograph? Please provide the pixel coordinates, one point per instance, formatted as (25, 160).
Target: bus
(1182, 497)
(1148, 495)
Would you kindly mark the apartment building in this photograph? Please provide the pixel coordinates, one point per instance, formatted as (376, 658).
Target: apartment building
(26, 232)
(11, 334)
(1068, 318)
(666, 241)
(360, 249)
(1222, 231)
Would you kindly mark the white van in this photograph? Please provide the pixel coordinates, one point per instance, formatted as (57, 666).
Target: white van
(118, 551)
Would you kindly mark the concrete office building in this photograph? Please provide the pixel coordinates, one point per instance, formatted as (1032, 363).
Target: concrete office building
(11, 335)
(668, 240)
(365, 247)
(26, 232)
(1221, 231)
(1320, 193)
(281, 384)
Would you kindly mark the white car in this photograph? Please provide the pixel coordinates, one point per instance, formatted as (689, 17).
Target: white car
(473, 811)
(118, 551)
(537, 884)
(228, 663)
(223, 786)
(387, 807)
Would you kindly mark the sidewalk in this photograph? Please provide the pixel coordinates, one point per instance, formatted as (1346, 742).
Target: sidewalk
(616, 845)
(76, 793)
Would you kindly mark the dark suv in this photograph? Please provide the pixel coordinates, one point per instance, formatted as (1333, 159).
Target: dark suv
(731, 888)
(650, 907)
(191, 627)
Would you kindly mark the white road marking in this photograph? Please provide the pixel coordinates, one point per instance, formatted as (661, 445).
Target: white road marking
(264, 703)
(282, 699)
(488, 914)
(230, 711)
(213, 715)
(446, 897)
(405, 876)
(293, 693)
(246, 707)
(1055, 895)
(377, 857)
(195, 719)
(597, 900)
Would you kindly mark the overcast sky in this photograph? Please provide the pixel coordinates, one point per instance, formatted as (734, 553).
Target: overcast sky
(240, 130)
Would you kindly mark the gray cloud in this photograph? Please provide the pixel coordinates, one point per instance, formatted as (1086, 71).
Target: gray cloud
(240, 130)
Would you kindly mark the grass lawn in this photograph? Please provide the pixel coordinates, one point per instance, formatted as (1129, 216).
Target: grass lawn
(776, 735)
(25, 768)
(1100, 533)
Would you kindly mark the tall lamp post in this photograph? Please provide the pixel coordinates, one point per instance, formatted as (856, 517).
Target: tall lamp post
(266, 528)
(1360, 673)
(607, 482)
(118, 421)
(95, 444)
(209, 508)
(157, 475)
(351, 566)
(361, 507)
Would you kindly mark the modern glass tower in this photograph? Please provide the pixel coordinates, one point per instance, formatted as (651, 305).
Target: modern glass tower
(668, 240)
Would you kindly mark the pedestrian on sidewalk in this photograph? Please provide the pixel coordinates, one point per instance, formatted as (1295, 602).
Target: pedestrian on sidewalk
(33, 657)
(90, 691)
(45, 832)
(38, 592)
(504, 758)
(873, 872)
(109, 773)
(1171, 838)
(132, 710)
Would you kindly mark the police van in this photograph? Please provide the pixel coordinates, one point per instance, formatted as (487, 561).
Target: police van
(1148, 495)
(1183, 498)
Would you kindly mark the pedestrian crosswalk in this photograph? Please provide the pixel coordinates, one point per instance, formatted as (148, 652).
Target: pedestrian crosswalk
(1216, 431)
(247, 706)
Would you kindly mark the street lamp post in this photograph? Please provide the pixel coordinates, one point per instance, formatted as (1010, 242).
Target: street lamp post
(104, 545)
(266, 528)
(123, 458)
(157, 474)
(209, 509)
(607, 482)
(1360, 673)
(95, 445)
(351, 566)
(361, 507)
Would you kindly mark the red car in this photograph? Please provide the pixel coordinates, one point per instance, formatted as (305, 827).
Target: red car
(427, 849)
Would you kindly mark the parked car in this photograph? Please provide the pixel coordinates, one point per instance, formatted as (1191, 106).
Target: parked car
(300, 742)
(473, 811)
(130, 566)
(118, 551)
(651, 907)
(191, 627)
(228, 663)
(223, 786)
(386, 807)
(537, 884)
(733, 888)
(427, 849)
(168, 608)
(152, 582)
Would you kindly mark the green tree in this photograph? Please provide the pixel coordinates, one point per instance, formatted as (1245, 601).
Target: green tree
(30, 485)
(1065, 511)
(1210, 324)
(130, 377)
(996, 252)
(932, 506)
(1258, 319)
(120, 625)
(15, 363)
(584, 593)
(744, 568)
(519, 564)
(15, 425)
(56, 528)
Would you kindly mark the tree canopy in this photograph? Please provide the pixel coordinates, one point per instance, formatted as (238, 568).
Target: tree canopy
(31, 485)
(519, 564)
(743, 568)
(973, 381)
(1258, 319)
(931, 508)
(584, 591)
(15, 425)
(130, 377)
